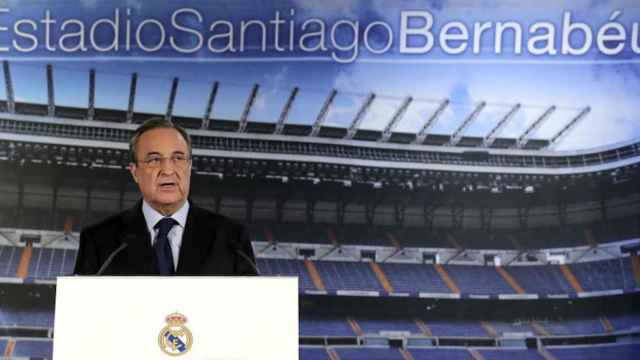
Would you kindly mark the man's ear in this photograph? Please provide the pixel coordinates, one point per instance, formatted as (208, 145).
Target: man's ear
(132, 169)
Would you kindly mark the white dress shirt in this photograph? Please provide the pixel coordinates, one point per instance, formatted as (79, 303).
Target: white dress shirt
(151, 216)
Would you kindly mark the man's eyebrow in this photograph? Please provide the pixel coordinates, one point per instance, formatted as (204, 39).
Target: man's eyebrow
(152, 153)
(178, 152)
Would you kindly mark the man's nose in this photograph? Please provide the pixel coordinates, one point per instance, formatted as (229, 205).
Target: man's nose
(167, 166)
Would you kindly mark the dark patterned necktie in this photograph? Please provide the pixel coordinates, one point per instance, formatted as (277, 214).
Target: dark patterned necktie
(162, 247)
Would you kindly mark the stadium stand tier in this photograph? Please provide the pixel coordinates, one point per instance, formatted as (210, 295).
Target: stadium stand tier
(601, 275)
(33, 348)
(597, 352)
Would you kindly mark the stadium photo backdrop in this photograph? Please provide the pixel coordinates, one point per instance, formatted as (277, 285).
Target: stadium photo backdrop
(447, 179)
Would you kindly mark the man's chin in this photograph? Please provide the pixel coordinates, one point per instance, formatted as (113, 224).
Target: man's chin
(169, 203)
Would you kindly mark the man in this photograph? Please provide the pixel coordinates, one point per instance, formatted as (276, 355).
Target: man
(164, 234)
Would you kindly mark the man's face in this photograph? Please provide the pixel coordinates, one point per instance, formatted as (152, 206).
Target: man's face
(163, 169)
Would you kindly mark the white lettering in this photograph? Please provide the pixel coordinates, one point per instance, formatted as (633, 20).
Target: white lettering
(461, 34)
(548, 38)
(517, 36)
(387, 45)
(243, 28)
(424, 31)
(113, 24)
(228, 35)
(189, 30)
(33, 38)
(161, 30)
(352, 47)
(605, 38)
(4, 28)
(478, 29)
(276, 31)
(308, 37)
(567, 28)
(635, 46)
(80, 46)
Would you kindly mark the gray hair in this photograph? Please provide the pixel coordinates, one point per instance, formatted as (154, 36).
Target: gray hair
(154, 123)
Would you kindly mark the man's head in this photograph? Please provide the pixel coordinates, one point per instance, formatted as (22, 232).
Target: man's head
(160, 163)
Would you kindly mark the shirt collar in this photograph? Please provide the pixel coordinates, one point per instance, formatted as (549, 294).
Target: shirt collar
(151, 216)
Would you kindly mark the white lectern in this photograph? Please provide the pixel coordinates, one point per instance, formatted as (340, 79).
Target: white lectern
(185, 318)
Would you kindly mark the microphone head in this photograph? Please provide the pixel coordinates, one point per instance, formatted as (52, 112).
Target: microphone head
(128, 238)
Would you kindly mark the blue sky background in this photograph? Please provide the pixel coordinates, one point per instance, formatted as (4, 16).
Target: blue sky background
(609, 85)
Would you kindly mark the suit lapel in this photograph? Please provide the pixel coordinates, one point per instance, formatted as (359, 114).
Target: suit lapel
(194, 244)
(139, 250)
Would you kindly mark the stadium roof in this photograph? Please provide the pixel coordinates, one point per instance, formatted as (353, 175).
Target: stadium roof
(253, 117)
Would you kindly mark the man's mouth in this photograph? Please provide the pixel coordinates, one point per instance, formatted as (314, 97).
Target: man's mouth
(168, 185)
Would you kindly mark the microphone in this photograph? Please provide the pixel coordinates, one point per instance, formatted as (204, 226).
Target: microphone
(107, 262)
(247, 259)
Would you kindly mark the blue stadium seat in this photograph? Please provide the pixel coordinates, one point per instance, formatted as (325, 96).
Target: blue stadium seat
(509, 354)
(311, 353)
(440, 353)
(456, 328)
(596, 352)
(476, 279)
(323, 326)
(30, 317)
(33, 348)
(375, 326)
(414, 278)
(574, 326)
(625, 322)
(9, 259)
(368, 353)
(286, 267)
(348, 275)
(512, 327)
(605, 274)
(540, 279)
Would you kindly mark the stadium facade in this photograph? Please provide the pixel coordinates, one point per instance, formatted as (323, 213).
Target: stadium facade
(407, 245)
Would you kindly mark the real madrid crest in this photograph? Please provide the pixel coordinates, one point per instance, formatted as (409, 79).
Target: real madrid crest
(175, 339)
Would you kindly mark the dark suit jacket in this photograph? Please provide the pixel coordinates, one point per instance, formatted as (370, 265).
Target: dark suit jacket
(210, 245)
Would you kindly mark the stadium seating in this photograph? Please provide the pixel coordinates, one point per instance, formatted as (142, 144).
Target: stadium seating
(596, 352)
(605, 274)
(509, 354)
(368, 353)
(440, 353)
(574, 326)
(320, 326)
(9, 259)
(540, 279)
(347, 275)
(313, 353)
(34, 348)
(414, 278)
(478, 279)
(467, 328)
(47, 263)
(339, 326)
(517, 326)
(286, 267)
(26, 317)
(625, 322)
(375, 326)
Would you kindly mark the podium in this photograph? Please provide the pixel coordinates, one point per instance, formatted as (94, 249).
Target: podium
(186, 318)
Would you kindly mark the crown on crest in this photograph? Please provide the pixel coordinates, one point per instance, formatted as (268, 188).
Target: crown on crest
(176, 319)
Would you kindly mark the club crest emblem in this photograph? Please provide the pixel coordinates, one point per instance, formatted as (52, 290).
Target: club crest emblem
(175, 339)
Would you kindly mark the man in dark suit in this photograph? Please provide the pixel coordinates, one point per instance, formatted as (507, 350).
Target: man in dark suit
(164, 234)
